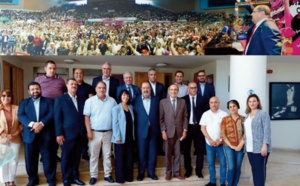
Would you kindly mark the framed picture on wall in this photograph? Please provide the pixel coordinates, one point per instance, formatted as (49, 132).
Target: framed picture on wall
(210, 78)
(284, 100)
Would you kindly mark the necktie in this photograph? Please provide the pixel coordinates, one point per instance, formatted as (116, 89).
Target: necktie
(173, 104)
(250, 35)
(194, 109)
(130, 92)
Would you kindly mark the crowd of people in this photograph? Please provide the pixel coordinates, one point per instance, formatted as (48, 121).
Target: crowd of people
(65, 30)
(85, 119)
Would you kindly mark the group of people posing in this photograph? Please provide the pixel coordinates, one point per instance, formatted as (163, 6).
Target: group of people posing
(84, 120)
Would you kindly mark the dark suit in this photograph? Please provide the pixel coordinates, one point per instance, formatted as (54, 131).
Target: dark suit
(209, 91)
(43, 142)
(195, 135)
(135, 90)
(70, 123)
(147, 132)
(264, 39)
(173, 123)
(113, 84)
(160, 91)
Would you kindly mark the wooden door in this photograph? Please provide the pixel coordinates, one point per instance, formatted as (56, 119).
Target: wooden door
(141, 77)
(13, 79)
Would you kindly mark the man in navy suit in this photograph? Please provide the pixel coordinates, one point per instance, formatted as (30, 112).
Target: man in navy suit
(36, 115)
(195, 111)
(111, 82)
(69, 128)
(134, 91)
(157, 89)
(146, 108)
(264, 35)
(204, 90)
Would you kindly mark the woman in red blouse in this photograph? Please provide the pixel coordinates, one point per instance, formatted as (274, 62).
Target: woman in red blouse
(232, 132)
(10, 135)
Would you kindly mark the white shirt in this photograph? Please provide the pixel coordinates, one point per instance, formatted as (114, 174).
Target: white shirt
(153, 85)
(175, 102)
(192, 113)
(212, 121)
(146, 103)
(183, 90)
(248, 133)
(106, 81)
(74, 99)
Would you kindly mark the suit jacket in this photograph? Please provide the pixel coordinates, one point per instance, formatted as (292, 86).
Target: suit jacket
(119, 123)
(209, 91)
(142, 119)
(27, 114)
(264, 39)
(68, 121)
(113, 84)
(159, 90)
(135, 89)
(15, 125)
(198, 110)
(171, 121)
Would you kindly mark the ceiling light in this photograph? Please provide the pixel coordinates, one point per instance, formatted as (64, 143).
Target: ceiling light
(69, 61)
(161, 64)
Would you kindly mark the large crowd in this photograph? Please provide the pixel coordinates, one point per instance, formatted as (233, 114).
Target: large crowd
(65, 30)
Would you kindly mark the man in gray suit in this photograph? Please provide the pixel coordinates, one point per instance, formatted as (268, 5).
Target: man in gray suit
(173, 124)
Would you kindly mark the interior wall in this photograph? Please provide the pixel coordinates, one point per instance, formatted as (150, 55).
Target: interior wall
(176, 5)
(285, 133)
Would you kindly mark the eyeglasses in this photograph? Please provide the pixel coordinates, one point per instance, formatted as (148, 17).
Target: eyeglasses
(256, 11)
(193, 87)
(6, 96)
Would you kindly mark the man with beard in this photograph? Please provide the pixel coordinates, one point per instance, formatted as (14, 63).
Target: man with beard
(204, 90)
(36, 115)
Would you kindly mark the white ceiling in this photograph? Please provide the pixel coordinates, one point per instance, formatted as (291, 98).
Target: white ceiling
(187, 62)
(178, 62)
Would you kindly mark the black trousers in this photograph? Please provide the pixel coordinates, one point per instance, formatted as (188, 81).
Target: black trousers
(195, 135)
(123, 162)
(70, 158)
(47, 150)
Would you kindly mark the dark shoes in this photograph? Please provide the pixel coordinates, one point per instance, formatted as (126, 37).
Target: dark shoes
(179, 177)
(58, 159)
(92, 181)
(109, 179)
(140, 177)
(223, 184)
(78, 182)
(32, 183)
(168, 177)
(85, 157)
(67, 183)
(200, 175)
(211, 184)
(188, 174)
(153, 176)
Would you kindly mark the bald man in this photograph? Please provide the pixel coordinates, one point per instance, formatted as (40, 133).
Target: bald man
(173, 125)
(211, 128)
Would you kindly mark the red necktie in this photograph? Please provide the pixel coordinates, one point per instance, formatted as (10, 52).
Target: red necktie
(249, 38)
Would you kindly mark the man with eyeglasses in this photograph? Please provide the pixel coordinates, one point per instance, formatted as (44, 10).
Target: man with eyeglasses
(263, 35)
(111, 82)
(205, 90)
(195, 111)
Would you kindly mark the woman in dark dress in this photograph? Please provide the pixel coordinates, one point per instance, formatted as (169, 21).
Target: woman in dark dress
(123, 137)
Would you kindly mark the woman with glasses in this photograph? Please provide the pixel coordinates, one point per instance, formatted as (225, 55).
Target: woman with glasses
(10, 135)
